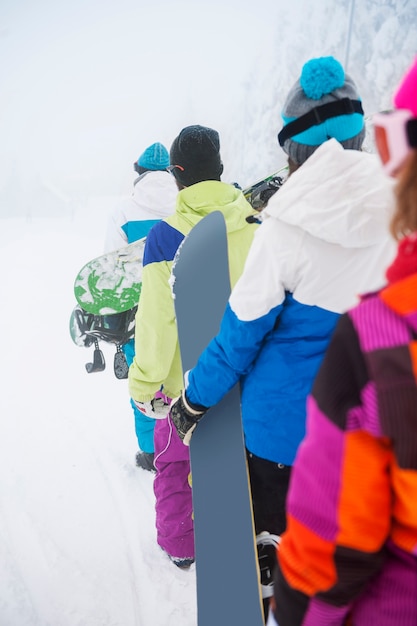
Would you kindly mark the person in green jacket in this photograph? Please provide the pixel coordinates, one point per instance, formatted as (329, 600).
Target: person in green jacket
(156, 373)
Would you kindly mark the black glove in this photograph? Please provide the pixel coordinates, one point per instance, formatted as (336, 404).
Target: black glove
(185, 417)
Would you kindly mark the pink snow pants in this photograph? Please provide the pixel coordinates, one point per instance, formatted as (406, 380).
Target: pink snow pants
(174, 508)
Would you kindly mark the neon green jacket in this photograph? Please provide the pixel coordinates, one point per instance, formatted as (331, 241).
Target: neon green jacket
(157, 360)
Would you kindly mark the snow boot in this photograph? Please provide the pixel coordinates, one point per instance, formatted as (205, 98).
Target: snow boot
(181, 563)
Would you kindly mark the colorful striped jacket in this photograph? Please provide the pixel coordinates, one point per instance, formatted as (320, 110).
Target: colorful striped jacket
(349, 555)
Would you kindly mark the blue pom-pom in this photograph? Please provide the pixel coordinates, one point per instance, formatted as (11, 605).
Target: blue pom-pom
(321, 76)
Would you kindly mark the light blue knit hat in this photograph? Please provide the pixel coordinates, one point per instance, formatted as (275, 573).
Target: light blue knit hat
(155, 157)
(322, 82)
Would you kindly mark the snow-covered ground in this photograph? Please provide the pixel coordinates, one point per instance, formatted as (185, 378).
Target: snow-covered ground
(77, 537)
(85, 86)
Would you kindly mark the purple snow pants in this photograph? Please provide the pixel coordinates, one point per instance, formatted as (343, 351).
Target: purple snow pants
(174, 508)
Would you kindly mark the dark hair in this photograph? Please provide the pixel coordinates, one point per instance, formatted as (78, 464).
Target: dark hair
(139, 169)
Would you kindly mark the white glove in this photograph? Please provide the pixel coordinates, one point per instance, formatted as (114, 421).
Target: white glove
(155, 408)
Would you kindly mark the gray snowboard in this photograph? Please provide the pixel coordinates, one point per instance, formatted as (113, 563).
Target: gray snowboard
(226, 558)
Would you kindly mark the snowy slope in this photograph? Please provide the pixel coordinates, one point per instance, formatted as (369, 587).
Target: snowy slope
(77, 537)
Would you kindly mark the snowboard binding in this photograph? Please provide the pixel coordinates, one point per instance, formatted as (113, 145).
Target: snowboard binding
(262, 192)
(267, 545)
(98, 364)
(87, 329)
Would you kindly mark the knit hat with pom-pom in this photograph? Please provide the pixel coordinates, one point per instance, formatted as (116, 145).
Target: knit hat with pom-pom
(323, 103)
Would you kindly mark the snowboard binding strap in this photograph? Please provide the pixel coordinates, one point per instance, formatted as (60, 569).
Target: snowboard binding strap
(98, 364)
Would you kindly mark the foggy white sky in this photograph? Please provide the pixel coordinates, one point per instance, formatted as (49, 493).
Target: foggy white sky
(86, 85)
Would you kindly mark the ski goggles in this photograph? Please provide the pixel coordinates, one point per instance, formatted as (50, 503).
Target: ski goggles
(395, 134)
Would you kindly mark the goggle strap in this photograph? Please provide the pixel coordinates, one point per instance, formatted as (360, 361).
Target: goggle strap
(318, 115)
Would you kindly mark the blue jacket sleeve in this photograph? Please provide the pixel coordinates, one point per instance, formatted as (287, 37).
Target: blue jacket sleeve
(228, 356)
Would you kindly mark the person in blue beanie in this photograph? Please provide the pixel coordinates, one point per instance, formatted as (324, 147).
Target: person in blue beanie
(155, 158)
(323, 239)
(153, 198)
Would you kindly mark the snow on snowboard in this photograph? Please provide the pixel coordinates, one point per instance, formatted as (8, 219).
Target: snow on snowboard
(111, 283)
(226, 557)
(107, 290)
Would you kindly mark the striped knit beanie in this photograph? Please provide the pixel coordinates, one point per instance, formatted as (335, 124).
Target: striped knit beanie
(322, 104)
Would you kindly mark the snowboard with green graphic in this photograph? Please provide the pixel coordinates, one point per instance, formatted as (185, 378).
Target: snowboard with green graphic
(111, 283)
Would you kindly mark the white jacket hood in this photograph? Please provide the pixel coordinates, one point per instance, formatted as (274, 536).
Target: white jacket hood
(153, 198)
(340, 196)
(155, 194)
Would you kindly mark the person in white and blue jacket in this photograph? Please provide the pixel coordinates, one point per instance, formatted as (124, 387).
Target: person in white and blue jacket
(153, 198)
(323, 240)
